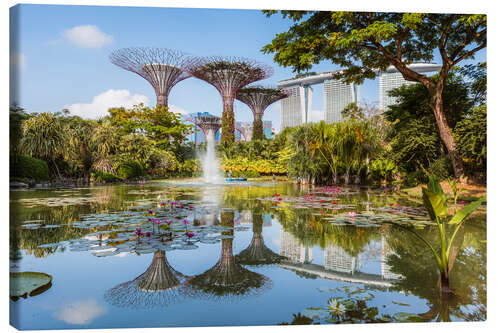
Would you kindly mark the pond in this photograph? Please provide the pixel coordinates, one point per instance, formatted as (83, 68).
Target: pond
(172, 254)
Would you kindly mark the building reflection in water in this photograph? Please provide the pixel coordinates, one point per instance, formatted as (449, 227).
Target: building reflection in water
(338, 263)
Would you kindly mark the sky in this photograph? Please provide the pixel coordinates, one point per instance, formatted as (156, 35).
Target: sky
(61, 56)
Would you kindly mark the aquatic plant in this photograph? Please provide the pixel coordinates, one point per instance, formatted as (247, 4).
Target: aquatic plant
(435, 202)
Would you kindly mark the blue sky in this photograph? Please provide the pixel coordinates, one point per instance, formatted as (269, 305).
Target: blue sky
(62, 56)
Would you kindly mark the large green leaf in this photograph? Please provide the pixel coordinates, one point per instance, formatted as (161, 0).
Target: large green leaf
(435, 204)
(434, 185)
(466, 211)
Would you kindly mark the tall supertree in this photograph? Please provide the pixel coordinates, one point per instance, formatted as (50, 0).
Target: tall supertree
(257, 253)
(159, 286)
(228, 75)
(227, 279)
(162, 68)
(258, 99)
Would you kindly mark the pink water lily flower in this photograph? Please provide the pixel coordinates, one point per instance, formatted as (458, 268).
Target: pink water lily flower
(186, 222)
(148, 234)
(351, 214)
(168, 221)
(462, 202)
(189, 234)
(163, 204)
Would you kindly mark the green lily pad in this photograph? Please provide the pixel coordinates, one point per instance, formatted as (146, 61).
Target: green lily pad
(23, 284)
(408, 317)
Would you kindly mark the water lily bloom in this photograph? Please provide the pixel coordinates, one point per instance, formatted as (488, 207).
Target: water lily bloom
(351, 214)
(185, 222)
(462, 202)
(391, 204)
(189, 234)
(148, 234)
(150, 211)
(168, 221)
(335, 203)
(163, 204)
(397, 205)
(279, 199)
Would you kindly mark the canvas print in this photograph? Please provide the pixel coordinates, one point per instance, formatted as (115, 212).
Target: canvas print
(174, 167)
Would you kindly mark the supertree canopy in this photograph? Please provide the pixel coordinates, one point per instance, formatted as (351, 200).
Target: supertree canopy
(159, 286)
(257, 253)
(228, 76)
(258, 99)
(227, 279)
(161, 67)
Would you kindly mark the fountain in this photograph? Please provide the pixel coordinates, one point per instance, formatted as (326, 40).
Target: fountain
(210, 163)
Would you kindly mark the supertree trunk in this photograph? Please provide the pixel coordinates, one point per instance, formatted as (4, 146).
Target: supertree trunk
(227, 134)
(162, 100)
(258, 127)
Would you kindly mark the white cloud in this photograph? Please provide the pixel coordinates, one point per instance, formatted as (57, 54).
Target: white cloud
(17, 60)
(81, 312)
(100, 104)
(176, 109)
(87, 36)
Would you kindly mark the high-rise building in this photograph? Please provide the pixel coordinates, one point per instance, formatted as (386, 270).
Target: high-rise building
(268, 129)
(296, 109)
(337, 95)
(392, 79)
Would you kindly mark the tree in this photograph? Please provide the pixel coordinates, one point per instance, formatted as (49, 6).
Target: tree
(44, 138)
(16, 117)
(364, 43)
(159, 124)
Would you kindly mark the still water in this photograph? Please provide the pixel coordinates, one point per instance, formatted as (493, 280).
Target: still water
(238, 254)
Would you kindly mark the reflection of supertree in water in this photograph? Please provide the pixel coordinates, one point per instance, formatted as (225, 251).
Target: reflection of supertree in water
(257, 253)
(227, 278)
(159, 286)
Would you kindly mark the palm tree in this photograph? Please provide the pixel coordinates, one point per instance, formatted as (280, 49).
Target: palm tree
(44, 137)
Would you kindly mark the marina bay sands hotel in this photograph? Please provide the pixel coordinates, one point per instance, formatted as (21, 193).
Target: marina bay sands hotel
(296, 109)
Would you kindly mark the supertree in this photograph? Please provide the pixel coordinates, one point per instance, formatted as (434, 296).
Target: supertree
(228, 75)
(209, 124)
(258, 99)
(227, 279)
(159, 286)
(257, 253)
(162, 68)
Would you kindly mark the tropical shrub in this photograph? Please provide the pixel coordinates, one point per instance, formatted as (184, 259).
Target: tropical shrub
(441, 168)
(105, 177)
(130, 169)
(22, 166)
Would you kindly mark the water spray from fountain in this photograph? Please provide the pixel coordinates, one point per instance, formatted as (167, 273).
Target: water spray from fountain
(211, 168)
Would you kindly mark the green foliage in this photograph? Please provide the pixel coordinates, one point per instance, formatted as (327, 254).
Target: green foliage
(415, 178)
(105, 177)
(441, 168)
(16, 118)
(159, 124)
(470, 133)
(435, 201)
(130, 169)
(28, 167)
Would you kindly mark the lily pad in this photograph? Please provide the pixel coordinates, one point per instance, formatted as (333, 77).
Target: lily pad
(23, 284)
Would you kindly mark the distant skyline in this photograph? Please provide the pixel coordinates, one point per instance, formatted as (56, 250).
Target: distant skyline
(62, 56)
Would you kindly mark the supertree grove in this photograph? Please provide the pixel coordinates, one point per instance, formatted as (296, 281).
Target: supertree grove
(228, 75)
(258, 99)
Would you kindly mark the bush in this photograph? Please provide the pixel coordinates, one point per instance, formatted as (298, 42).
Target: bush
(101, 177)
(441, 168)
(416, 177)
(130, 170)
(22, 166)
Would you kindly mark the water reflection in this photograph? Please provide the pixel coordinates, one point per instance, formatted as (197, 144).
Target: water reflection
(228, 279)
(159, 286)
(257, 253)
(383, 261)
